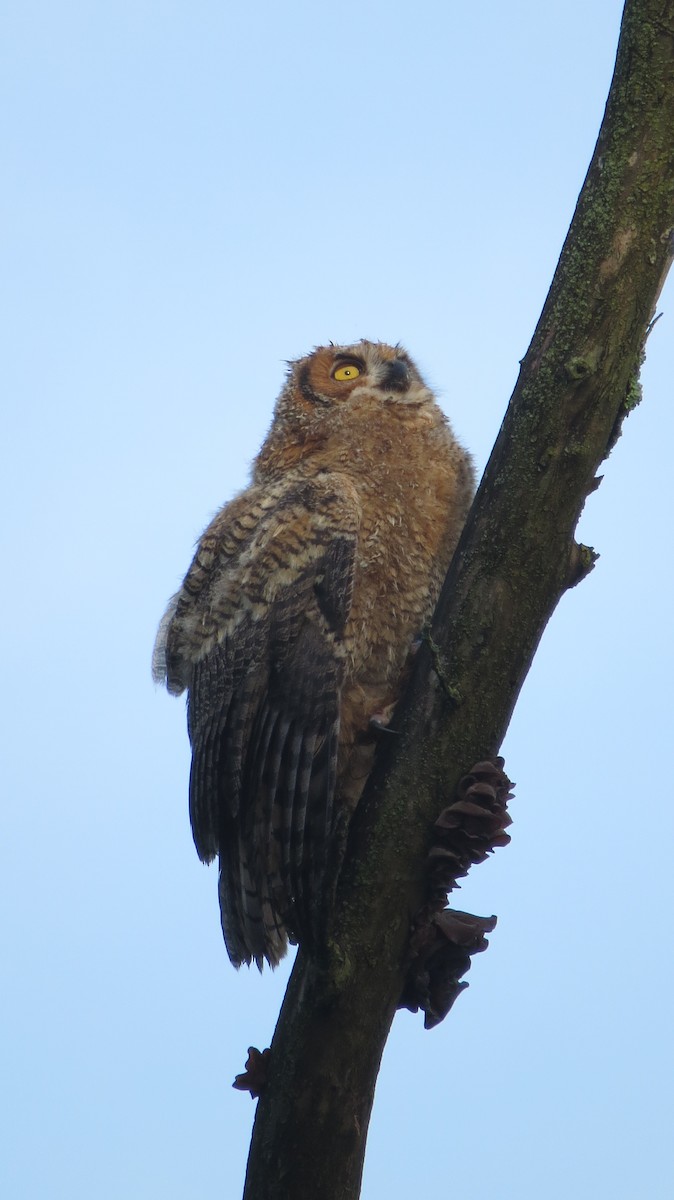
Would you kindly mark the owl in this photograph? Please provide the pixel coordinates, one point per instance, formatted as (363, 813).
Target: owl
(294, 627)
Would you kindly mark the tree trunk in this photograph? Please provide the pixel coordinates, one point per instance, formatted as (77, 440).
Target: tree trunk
(516, 558)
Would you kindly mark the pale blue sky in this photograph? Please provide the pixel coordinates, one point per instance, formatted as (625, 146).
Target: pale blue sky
(191, 195)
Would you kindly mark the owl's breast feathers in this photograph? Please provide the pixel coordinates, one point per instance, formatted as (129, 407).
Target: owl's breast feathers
(291, 630)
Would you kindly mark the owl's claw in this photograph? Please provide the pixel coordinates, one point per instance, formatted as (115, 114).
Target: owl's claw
(380, 727)
(379, 721)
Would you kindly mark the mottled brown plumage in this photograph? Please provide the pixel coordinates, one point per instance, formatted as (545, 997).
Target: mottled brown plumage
(295, 622)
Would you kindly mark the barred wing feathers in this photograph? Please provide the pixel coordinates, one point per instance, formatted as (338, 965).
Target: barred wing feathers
(256, 636)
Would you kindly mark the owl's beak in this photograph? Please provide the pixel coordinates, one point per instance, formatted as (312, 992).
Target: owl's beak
(396, 376)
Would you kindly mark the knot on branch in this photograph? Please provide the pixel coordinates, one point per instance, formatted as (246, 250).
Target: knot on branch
(581, 367)
(581, 560)
(443, 939)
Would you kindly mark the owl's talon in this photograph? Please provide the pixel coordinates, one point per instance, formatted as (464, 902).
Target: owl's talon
(381, 726)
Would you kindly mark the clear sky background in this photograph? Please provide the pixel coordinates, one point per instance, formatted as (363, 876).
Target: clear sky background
(193, 193)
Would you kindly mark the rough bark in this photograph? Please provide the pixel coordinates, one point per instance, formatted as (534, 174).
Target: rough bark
(517, 557)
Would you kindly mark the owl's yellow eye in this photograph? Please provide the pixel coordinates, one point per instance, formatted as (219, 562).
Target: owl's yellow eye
(348, 371)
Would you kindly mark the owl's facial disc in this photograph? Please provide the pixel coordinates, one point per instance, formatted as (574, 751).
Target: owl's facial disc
(362, 373)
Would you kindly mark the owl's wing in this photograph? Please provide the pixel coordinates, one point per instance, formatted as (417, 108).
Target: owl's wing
(263, 712)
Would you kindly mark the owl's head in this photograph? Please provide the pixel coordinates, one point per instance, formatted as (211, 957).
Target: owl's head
(341, 398)
(337, 375)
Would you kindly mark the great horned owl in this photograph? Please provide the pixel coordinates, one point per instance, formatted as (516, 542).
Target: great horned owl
(295, 622)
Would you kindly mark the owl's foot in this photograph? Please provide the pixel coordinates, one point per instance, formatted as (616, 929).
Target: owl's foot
(443, 940)
(379, 721)
(254, 1078)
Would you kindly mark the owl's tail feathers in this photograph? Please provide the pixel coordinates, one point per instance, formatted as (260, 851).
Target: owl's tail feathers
(284, 820)
(272, 887)
(312, 834)
(251, 926)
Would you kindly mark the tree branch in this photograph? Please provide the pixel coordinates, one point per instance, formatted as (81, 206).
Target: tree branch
(517, 556)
